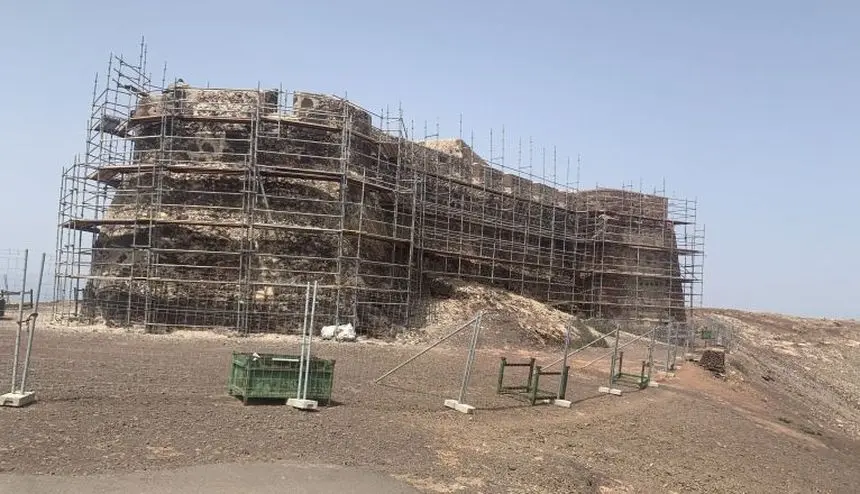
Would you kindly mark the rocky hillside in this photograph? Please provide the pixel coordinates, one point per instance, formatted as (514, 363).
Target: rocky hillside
(811, 365)
(509, 320)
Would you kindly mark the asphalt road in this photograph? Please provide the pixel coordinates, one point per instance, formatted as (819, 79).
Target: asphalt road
(262, 478)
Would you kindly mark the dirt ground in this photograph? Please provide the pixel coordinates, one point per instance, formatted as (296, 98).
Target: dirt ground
(112, 401)
(256, 478)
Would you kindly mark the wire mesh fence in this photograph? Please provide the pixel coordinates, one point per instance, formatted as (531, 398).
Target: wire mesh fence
(12, 272)
(23, 289)
(101, 361)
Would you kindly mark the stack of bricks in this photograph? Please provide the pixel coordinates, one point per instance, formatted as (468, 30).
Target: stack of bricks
(714, 360)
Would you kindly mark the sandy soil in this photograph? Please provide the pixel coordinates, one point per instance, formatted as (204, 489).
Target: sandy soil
(112, 402)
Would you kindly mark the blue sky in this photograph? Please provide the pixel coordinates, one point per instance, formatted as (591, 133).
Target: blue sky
(753, 108)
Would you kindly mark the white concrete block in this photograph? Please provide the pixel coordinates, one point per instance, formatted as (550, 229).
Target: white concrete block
(603, 389)
(652, 384)
(460, 407)
(302, 404)
(616, 392)
(17, 399)
(562, 403)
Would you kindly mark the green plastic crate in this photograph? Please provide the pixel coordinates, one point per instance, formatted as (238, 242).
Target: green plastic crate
(272, 376)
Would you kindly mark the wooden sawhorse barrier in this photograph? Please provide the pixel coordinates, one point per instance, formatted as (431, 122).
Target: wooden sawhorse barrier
(531, 391)
(640, 380)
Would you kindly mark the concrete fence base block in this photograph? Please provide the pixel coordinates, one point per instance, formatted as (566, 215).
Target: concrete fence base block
(460, 407)
(652, 384)
(17, 399)
(302, 404)
(562, 403)
(611, 391)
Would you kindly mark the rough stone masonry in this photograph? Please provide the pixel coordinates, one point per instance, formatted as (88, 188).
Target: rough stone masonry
(229, 203)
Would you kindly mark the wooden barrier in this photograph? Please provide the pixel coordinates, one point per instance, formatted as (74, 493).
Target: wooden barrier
(531, 391)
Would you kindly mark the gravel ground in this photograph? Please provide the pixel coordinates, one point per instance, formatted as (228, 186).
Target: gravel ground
(121, 402)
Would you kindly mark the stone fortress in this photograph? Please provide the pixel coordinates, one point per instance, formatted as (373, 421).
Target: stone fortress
(214, 208)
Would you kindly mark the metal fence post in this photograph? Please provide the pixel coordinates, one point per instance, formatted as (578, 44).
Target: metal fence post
(20, 324)
(562, 384)
(651, 346)
(422, 352)
(302, 348)
(467, 374)
(310, 341)
(614, 356)
(33, 318)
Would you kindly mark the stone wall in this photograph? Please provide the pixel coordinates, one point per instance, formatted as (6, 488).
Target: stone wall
(195, 235)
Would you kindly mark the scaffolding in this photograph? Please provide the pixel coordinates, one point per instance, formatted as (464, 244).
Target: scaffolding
(604, 254)
(210, 207)
(201, 207)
